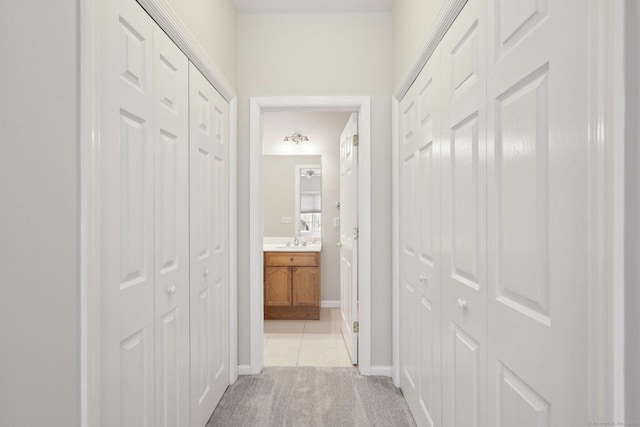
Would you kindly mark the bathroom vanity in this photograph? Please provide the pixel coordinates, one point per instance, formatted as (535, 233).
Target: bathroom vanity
(292, 282)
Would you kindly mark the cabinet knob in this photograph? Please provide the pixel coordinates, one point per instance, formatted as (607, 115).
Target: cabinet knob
(462, 304)
(422, 278)
(205, 273)
(171, 289)
(291, 259)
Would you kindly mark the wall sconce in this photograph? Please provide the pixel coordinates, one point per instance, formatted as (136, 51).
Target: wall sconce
(296, 138)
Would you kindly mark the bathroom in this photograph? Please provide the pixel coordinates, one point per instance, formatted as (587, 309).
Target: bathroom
(301, 232)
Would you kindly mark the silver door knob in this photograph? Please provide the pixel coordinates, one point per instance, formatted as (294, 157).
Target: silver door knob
(462, 304)
(339, 244)
(171, 289)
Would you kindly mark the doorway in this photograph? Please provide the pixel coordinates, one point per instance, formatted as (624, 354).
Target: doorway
(258, 108)
(301, 205)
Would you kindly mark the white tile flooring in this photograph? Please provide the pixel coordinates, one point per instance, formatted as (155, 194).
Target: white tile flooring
(306, 342)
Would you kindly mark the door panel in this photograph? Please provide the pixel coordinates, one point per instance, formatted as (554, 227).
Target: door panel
(126, 221)
(420, 246)
(537, 226)
(171, 148)
(348, 242)
(209, 201)
(464, 283)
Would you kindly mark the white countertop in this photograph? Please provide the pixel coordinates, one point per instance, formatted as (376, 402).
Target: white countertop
(279, 244)
(282, 247)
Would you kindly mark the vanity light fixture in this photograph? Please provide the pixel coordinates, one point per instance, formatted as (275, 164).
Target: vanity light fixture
(296, 138)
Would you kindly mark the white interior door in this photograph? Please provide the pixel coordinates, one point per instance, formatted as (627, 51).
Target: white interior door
(348, 236)
(126, 220)
(209, 202)
(420, 246)
(537, 213)
(171, 180)
(464, 278)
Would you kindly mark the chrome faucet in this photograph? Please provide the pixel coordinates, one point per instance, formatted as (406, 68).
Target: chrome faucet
(296, 242)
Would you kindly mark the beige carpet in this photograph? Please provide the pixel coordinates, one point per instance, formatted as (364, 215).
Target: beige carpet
(306, 396)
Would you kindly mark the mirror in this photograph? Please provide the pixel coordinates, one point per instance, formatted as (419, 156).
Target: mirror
(309, 200)
(292, 200)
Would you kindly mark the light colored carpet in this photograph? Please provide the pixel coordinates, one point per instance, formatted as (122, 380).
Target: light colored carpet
(307, 396)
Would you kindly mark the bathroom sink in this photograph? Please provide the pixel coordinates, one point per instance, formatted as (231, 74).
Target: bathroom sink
(292, 248)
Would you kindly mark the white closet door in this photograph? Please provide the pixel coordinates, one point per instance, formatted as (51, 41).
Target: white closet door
(126, 200)
(349, 244)
(171, 147)
(209, 203)
(537, 213)
(420, 246)
(464, 280)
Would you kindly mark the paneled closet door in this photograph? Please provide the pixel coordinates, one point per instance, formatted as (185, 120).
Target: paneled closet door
(171, 180)
(209, 207)
(537, 213)
(420, 337)
(126, 220)
(464, 282)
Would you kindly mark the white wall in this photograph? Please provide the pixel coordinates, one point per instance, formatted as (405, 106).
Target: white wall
(632, 214)
(411, 21)
(213, 24)
(321, 54)
(39, 232)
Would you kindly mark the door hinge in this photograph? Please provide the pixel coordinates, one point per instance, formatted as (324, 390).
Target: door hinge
(356, 233)
(356, 327)
(356, 140)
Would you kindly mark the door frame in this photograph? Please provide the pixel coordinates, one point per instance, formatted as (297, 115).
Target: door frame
(90, 53)
(605, 191)
(259, 105)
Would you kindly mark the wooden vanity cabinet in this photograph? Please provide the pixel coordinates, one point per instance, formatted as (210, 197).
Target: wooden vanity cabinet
(292, 285)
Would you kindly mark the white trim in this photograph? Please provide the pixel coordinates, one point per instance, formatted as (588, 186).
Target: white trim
(90, 66)
(90, 87)
(444, 18)
(245, 370)
(395, 241)
(233, 243)
(330, 303)
(167, 19)
(606, 210)
(382, 371)
(362, 105)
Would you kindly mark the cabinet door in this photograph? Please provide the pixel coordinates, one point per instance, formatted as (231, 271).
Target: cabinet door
(305, 286)
(277, 286)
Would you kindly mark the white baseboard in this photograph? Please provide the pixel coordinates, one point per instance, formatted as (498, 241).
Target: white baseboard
(245, 370)
(382, 371)
(330, 304)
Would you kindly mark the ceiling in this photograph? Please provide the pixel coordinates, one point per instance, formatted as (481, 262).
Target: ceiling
(313, 6)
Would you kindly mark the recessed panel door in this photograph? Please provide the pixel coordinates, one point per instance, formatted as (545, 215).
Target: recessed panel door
(126, 220)
(419, 243)
(209, 203)
(464, 279)
(349, 235)
(171, 181)
(537, 213)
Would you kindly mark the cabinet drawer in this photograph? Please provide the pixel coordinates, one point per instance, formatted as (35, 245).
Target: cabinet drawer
(299, 259)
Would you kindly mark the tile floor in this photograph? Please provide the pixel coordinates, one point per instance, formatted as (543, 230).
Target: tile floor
(306, 342)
